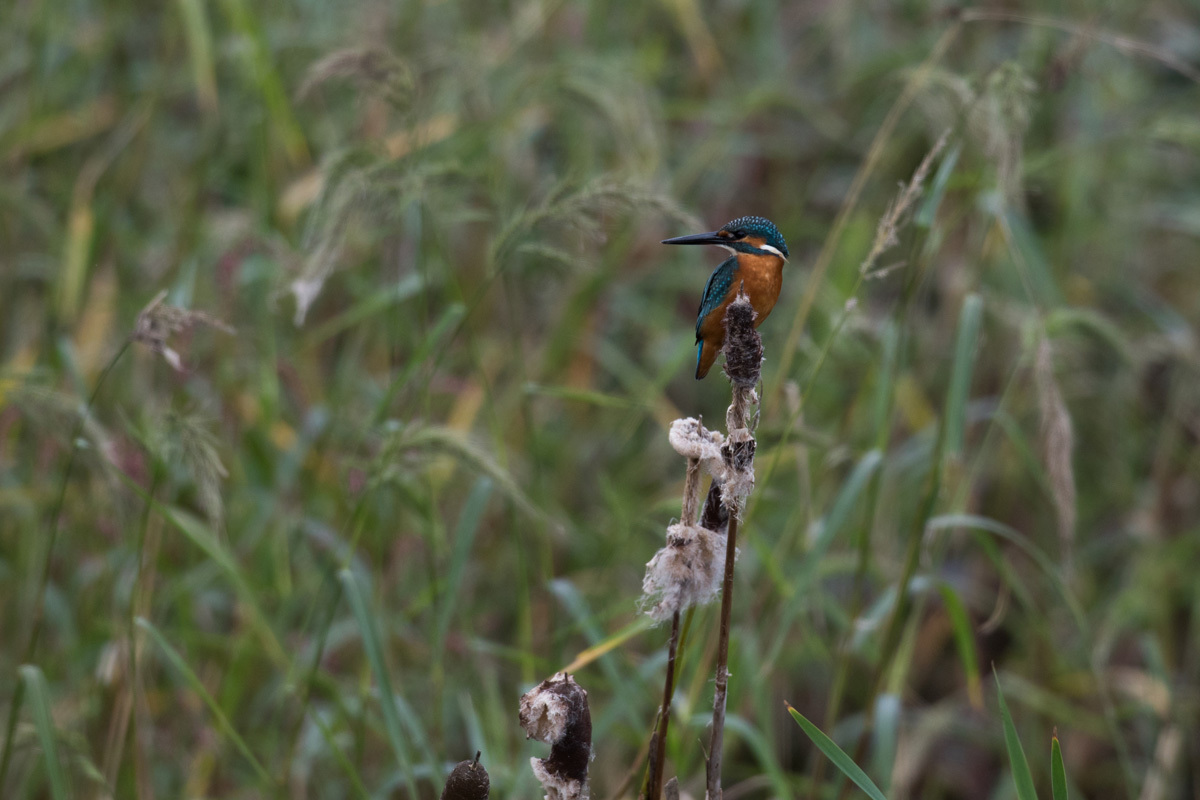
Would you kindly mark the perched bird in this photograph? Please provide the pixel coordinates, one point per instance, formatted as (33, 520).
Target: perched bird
(756, 264)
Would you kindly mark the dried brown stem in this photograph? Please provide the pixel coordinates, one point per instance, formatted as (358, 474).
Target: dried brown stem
(743, 365)
(658, 744)
(713, 517)
(717, 742)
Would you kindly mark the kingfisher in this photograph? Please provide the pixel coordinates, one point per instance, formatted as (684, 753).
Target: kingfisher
(758, 253)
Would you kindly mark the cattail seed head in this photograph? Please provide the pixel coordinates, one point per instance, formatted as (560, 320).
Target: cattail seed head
(468, 781)
(556, 712)
(743, 345)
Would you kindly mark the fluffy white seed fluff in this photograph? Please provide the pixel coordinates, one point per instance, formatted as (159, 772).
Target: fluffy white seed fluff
(692, 440)
(544, 715)
(687, 572)
(557, 787)
(737, 485)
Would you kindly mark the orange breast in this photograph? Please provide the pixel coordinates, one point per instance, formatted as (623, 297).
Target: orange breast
(763, 278)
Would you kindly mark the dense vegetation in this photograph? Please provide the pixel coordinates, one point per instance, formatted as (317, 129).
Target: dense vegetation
(404, 454)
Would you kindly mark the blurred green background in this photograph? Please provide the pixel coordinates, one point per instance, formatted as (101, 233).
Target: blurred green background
(426, 463)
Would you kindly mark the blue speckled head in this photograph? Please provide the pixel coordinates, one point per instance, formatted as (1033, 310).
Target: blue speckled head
(744, 229)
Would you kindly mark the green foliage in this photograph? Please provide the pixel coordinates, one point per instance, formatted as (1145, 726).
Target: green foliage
(837, 755)
(427, 466)
(1022, 778)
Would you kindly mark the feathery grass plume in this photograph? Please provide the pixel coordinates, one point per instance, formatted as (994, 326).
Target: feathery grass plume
(580, 212)
(407, 449)
(1058, 442)
(186, 439)
(556, 712)
(55, 414)
(887, 232)
(467, 781)
(158, 320)
(999, 120)
(371, 69)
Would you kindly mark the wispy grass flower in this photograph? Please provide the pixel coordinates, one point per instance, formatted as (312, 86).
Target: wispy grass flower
(158, 321)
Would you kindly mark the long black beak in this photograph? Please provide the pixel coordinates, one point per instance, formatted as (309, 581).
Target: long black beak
(698, 238)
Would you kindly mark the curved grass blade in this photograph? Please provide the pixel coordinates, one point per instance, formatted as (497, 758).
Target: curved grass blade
(197, 686)
(1058, 773)
(43, 722)
(1013, 536)
(640, 623)
(837, 755)
(1022, 777)
(937, 189)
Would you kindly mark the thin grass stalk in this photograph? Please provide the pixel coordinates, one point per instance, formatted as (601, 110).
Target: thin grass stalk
(44, 576)
(139, 606)
(914, 83)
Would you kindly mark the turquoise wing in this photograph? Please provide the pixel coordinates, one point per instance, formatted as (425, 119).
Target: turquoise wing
(715, 290)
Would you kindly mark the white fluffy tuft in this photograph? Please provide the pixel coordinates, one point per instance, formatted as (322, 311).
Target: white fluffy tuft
(687, 572)
(692, 440)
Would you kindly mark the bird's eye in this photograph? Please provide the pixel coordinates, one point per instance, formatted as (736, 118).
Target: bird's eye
(739, 234)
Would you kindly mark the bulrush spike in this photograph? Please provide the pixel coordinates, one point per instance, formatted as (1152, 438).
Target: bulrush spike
(556, 712)
(468, 781)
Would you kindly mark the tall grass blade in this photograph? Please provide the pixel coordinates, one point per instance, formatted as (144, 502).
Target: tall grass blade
(1013, 536)
(387, 698)
(262, 74)
(937, 188)
(446, 324)
(1022, 777)
(193, 680)
(1058, 773)
(837, 755)
(464, 538)
(198, 33)
(960, 376)
(847, 503)
(964, 640)
(43, 722)
(885, 736)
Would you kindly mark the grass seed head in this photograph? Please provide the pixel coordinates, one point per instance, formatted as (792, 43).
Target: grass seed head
(158, 321)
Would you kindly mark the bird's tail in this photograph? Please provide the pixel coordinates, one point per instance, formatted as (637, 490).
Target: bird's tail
(706, 354)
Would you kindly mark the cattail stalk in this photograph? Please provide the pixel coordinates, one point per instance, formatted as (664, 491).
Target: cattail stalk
(711, 518)
(743, 366)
